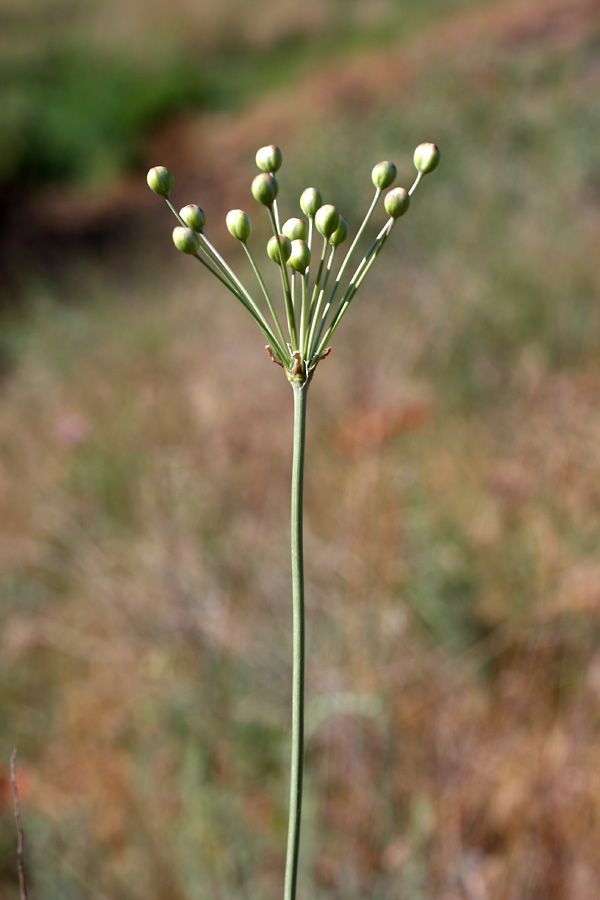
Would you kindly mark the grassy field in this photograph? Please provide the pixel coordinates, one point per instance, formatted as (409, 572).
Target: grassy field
(452, 490)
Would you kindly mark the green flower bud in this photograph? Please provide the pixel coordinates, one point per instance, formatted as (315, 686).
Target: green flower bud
(295, 228)
(269, 158)
(426, 158)
(265, 188)
(160, 180)
(238, 224)
(186, 240)
(299, 258)
(340, 234)
(383, 174)
(396, 202)
(310, 202)
(275, 243)
(193, 216)
(327, 219)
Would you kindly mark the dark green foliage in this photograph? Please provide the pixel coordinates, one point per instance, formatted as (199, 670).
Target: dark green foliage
(78, 116)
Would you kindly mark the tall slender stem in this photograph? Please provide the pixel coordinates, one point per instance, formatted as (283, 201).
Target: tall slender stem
(297, 760)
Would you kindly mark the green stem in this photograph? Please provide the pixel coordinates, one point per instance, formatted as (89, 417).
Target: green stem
(356, 239)
(289, 306)
(297, 760)
(314, 314)
(416, 184)
(355, 282)
(267, 296)
(304, 319)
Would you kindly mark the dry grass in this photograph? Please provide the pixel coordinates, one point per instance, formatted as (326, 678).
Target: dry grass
(454, 693)
(453, 525)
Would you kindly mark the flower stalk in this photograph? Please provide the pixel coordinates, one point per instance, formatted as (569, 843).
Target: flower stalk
(311, 321)
(298, 617)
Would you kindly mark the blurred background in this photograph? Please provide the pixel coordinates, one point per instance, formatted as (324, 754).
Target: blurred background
(453, 471)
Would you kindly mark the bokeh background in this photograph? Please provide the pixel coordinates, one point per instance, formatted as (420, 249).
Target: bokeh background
(453, 471)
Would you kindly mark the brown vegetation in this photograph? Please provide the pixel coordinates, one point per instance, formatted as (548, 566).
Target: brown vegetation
(452, 557)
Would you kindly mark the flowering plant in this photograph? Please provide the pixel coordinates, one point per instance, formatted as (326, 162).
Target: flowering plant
(316, 295)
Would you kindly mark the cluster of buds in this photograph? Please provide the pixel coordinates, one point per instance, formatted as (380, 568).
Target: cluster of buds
(312, 313)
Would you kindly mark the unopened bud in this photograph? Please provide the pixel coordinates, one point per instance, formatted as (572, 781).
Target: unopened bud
(396, 202)
(295, 228)
(265, 188)
(238, 224)
(310, 201)
(426, 158)
(193, 216)
(281, 242)
(269, 158)
(327, 220)
(160, 180)
(383, 174)
(186, 240)
(340, 234)
(299, 258)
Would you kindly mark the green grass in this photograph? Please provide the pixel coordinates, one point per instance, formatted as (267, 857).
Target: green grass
(75, 115)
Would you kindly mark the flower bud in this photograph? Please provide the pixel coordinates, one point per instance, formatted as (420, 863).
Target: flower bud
(299, 258)
(269, 158)
(310, 201)
(160, 180)
(340, 234)
(426, 158)
(186, 240)
(295, 228)
(265, 188)
(396, 202)
(193, 216)
(238, 224)
(327, 219)
(275, 244)
(383, 174)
